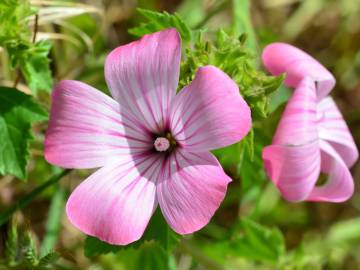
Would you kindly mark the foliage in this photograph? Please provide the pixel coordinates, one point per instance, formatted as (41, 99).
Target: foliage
(17, 113)
(259, 243)
(227, 52)
(254, 228)
(159, 21)
(21, 251)
(232, 56)
(19, 42)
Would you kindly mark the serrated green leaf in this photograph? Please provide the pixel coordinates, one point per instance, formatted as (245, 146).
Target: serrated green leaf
(13, 20)
(48, 259)
(18, 112)
(29, 250)
(259, 243)
(15, 38)
(34, 65)
(234, 58)
(157, 231)
(11, 246)
(158, 21)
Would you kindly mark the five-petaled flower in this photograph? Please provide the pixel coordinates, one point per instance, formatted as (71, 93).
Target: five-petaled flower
(312, 136)
(152, 144)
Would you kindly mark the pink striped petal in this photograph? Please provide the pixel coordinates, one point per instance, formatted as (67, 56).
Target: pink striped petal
(293, 161)
(143, 76)
(281, 58)
(298, 122)
(332, 128)
(293, 169)
(340, 185)
(86, 129)
(209, 113)
(192, 189)
(116, 202)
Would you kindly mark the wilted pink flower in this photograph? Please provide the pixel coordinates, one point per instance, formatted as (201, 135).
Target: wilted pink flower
(153, 145)
(312, 136)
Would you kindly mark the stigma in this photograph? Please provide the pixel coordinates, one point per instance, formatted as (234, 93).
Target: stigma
(161, 144)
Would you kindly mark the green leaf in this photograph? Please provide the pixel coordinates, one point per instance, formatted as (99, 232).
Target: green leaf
(279, 97)
(18, 112)
(48, 259)
(234, 58)
(94, 247)
(15, 38)
(344, 231)
(11, 246)
(158, 21)
(13, 20)
(29, 250)
(152, 257)
(259, 243)
(34, 65)
(157, 231)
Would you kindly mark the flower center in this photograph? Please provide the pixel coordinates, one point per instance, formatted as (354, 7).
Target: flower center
(161, 144)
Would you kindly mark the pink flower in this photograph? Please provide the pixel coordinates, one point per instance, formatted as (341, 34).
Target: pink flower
(151, 144)
(312, 136)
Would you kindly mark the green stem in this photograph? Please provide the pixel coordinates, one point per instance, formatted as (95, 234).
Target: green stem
(53, 223)
(24, 201)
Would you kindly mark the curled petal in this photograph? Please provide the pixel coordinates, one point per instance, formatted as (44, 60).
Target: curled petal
(86, 129)
(298, 122)
(293, 169)
(333, 129)
(143, 76)
(281, 58)
(340, 184)
(209, 113)
(116, 202)
(191, 190)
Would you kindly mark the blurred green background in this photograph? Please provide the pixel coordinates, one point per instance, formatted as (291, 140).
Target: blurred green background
(254, 228)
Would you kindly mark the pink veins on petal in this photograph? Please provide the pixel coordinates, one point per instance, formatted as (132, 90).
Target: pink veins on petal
(312, 136)
(152, 146)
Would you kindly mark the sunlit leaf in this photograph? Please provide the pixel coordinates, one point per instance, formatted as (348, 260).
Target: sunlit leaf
(258, 242)
(158, 21)
(18, 112)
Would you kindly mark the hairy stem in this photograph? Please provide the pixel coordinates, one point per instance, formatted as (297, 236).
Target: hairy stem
(27, 199)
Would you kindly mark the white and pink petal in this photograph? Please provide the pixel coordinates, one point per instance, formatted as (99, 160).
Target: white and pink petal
(293, 160)
(88, 130)
(143, 76)
(340, 184)
(210, 112)
(116, 203)
(191, 190)
(333, 129)
(281, 58)
(293, 169)
(297, 125)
